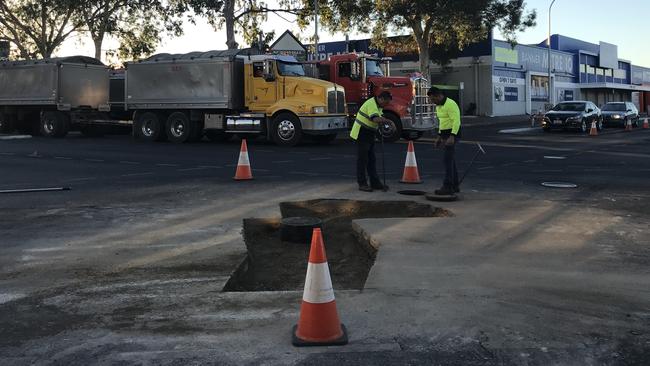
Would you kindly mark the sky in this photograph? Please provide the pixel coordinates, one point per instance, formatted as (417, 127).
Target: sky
(621, 23)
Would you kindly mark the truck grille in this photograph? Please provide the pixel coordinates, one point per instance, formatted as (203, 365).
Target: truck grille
(336, 102)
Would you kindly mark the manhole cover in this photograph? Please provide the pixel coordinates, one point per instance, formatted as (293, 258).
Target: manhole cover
(298, 229)
(412, 192)
(559, 185)
(441, 198)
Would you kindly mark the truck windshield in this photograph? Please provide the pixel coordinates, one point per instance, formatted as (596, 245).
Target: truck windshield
(618, 107)
(569, 107)
(290, 69)
(373, 68)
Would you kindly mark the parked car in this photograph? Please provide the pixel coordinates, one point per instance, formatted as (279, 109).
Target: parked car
(573, 115)
(618, 113)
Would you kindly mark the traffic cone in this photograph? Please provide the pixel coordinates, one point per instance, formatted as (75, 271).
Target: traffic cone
(319, 323)
(594, 130)
(645, 124)
(243, 166)
(411, 174)
(628, 126)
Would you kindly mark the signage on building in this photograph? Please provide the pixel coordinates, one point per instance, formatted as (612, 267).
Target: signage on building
(538, 88)
(511, 94)
(533, 58)
(507, 55)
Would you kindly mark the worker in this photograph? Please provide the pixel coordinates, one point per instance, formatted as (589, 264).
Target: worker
(448, 134)
(366, 126)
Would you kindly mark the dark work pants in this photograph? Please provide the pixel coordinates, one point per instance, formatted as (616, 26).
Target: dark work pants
(366, 161)
(451, 173)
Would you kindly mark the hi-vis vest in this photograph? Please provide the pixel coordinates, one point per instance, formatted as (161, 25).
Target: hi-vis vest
(367, 112)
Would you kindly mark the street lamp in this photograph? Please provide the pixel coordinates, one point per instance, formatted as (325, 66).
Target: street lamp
(550, 94)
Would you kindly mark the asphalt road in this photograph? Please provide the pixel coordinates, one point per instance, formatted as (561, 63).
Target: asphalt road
(166, 218)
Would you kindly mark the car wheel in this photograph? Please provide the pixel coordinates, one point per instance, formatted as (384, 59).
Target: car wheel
(286, 130)
(54, 124)
(583, 126)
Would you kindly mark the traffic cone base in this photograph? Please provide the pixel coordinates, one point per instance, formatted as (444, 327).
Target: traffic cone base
(319, 323)
(628, 126)
(645, 124)
(594, 130)
(243, 165)
(411, 174)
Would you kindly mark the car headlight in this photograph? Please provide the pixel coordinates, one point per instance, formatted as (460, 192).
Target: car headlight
(318, 110)
(616, 116)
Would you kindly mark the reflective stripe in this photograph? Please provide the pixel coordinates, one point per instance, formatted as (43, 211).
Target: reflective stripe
(363, 114)
(243, 158)
(318, 285)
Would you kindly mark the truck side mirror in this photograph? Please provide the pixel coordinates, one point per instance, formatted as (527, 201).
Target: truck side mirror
(268, 71)
(355, 73)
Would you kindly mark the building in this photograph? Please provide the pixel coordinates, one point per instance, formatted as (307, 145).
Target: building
(495, 78)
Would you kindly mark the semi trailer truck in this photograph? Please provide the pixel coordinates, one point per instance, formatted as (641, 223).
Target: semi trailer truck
(176, 97)
(364, 76)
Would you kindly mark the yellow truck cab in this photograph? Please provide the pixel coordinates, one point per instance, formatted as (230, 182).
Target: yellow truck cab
(292, 103)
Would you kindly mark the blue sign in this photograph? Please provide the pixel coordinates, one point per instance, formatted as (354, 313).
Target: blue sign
(511, 94)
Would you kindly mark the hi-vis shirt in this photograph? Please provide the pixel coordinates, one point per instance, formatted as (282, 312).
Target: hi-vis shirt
(367, 112)
(449, 117)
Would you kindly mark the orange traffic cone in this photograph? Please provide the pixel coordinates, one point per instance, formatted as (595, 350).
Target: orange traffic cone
(645, 124)
(594, 130)
(319, 323)
(411, 174)
(243, 166)
(628, 125)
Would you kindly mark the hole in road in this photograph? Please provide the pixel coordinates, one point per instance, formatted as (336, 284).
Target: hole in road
(276, 265)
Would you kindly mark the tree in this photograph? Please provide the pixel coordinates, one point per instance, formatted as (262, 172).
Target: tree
(441, 24)
(38, 27)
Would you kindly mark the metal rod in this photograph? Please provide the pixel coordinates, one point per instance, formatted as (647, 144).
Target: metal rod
(52, 189)
(383, 159)
(480, 150)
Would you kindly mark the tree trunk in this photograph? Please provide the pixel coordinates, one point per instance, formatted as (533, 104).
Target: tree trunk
(98, 46)
(423, 49)
(229, 15)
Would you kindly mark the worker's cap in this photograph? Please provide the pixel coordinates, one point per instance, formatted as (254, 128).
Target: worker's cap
(434, 91)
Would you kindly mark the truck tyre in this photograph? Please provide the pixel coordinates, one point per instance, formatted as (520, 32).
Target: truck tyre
(286, 130)
(396, 128)
(218, 135)
(54, 124)
(148, 127)
(179, 128)
(6, 123)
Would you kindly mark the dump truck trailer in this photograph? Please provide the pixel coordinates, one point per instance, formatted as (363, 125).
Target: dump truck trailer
(53, 96)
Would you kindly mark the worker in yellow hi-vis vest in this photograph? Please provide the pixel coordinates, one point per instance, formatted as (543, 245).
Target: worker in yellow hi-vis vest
(448, 115)
(365, 128)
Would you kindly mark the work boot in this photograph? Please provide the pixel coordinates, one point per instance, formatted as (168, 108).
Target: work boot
(444, 191)
(380, 186)
(365, 188)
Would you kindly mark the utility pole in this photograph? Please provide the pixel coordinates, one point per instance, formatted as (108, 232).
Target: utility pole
(550, 93)
(316, 30)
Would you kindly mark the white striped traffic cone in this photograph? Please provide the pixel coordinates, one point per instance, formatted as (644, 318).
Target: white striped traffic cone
(243, 165)
(411, 174)
(319, 323)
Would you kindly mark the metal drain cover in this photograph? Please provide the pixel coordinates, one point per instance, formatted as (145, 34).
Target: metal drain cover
(412, 192)
(559, 185)
(299, 229)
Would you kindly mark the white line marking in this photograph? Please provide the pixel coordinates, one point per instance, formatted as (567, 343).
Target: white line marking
(515, 130)
(128, 162)
(554, 157)
(162, 164)
(135, 174)
(15, 137)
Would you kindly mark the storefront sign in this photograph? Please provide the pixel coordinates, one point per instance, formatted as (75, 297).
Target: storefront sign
(507, 55)
(511, 94)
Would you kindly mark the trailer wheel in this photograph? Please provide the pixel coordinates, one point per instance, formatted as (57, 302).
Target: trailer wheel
(54, 124)
(6, 123)
(147, 127)
(286, 129)
(396, 128)
(179, 128)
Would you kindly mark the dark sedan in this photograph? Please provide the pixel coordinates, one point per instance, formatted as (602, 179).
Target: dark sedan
(619, 113)
(572, 115)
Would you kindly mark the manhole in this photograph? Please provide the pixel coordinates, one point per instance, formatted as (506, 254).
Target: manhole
(299, 229)
(273, 265)
(441, 198)
(412, 192)
(559, 185)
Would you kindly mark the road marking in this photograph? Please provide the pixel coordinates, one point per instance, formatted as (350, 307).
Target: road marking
(15, 137)
(62, 158)
(515, 130)
(162, 164)
(7, 297)
(129, 162)
(79, 179)
(8, 154)
(554, 157)
(613, 153)
(486, 167)
(135, 174)
(95, 160)
(282, 161)
(316, 159)
(471, 142)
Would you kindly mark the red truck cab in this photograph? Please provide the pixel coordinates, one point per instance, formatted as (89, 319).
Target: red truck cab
(364, 76)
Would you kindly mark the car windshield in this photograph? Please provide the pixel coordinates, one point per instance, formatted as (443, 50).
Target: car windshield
(569, 107)
(618, 107)
(373, 68)
(290, 69)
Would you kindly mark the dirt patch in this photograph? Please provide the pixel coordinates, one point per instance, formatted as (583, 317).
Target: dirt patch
(276, 265)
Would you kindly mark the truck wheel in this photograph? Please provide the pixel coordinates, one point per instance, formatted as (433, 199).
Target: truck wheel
(6, 123)
(396, 128)
(148, 127)
(54, 124)
(179, 128)
(324, 139)
(286, 130)
(218, 135)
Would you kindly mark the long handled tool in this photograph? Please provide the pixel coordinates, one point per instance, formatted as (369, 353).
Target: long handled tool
(383, 157)
(479, 151)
